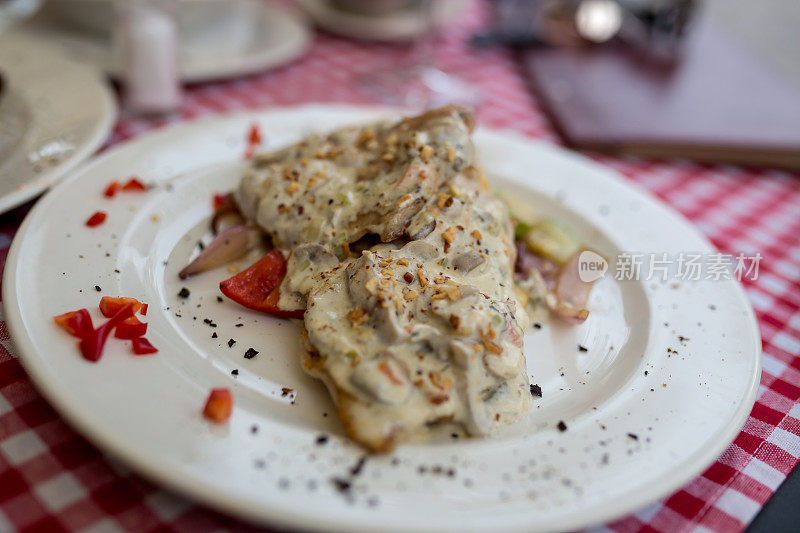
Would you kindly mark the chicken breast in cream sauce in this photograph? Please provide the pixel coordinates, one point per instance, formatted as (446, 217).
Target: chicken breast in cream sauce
(403, 260)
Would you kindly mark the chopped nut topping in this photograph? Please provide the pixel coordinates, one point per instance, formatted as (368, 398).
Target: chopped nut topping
(491, 346)
(452, 291)
(357, 316)
(438, 382)
(387, 273)
(372, 286)
(455, 321)
(445, 201)
(402, 262)
(449, 235)
(410, 294)
(476, 235)
(365, 136)
(451, 155)
(384, 263)
(426, 153)
(345, 248)
(292, 187)
(404, 200)
(423, 281)
(436, 400)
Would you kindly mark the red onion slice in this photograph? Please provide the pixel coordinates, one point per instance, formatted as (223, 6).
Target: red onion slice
(571, 293)
(231, 244)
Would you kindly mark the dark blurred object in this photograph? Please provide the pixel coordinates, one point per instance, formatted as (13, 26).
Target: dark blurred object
(654, 28)
(715, 104)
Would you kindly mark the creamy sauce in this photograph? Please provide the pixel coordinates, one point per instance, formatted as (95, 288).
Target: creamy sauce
(424, 327)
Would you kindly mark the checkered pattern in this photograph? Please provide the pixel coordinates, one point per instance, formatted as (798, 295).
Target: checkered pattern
(51, 479)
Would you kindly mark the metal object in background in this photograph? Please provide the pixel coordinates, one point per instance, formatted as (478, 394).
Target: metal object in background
(654, 27)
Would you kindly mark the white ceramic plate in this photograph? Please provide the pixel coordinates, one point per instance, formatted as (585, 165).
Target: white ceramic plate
(682, 408)
(219, 39)
(403, 25)
(54, 113)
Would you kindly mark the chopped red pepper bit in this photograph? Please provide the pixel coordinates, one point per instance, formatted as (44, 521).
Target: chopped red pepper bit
(96, 219)
(219, 405)
(77, 323)
(254, 137)
(130, 328)
(253, 140)
(257, 287)
(109, 305)
(218, 200)
(142, 346)
(135, 185)
(111, 189)
(92, 343)
(143, 310)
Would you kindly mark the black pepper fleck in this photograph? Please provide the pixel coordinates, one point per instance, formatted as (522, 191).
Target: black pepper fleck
(231, 342)
(536, 390)
(184, 293)
(250, 353)
(235, 372)
(322, 439)
(561, 426)
(582, 348)
(97, 288)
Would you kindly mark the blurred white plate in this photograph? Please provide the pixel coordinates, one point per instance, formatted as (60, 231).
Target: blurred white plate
(641, 420)
(219, 39)
(403, 25)
(54, 114)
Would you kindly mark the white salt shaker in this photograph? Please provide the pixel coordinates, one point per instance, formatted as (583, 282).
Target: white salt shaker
(146, 37)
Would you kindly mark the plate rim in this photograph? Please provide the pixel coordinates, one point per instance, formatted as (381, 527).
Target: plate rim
(251, 64)
(274, 515)
(107, 106)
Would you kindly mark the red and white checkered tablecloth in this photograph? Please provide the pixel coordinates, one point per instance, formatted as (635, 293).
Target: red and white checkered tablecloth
(51, 479)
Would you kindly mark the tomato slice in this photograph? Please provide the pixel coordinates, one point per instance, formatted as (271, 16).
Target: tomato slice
(142, 346)
(134, 185)
(92, 343)
(97, 218)
(257, 287)
(219, 405)
(130, 328)
(111, 189)
(77, 323)
(109, 305)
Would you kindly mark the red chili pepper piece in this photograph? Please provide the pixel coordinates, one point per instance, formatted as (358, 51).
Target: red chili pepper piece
(97, 218)
(111, 189)
(254, 136)
(77, 323)
(134, 185)
(257, 287)
(130, 328)
(142, 346)
(109, 305)
(92, 343)
(253, 140)
(219, 405)
(143, 310)
(218, 200)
